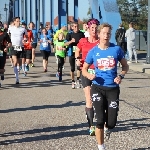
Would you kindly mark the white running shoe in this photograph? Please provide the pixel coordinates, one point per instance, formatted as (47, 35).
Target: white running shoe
(78, 84)
(73, 85)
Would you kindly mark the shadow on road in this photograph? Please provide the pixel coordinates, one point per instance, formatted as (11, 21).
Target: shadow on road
(67, 104)
(64, 131)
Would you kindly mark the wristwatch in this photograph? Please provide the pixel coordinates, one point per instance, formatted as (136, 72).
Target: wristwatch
(121, 76)
(77, 58)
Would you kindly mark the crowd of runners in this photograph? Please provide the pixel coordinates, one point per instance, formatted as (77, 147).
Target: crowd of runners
(89, 52)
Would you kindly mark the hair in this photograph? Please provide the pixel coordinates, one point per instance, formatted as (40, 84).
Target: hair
(93, 21)
(74, 23)
(62, 35)
(32, 23)
(84, 22)
(100, 27)
(131, 24)
(14, 19)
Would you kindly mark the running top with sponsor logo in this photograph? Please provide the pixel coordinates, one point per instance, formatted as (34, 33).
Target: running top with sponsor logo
(105, 63)
(85, 46)
(28, 43)
(45, 45)
(17, 34)
(60, 49)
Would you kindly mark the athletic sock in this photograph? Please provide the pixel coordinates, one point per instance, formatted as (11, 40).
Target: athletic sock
(16, 73)
(23, 67)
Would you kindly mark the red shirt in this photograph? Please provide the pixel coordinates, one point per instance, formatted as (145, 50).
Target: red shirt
(28, 44)
(85, 46)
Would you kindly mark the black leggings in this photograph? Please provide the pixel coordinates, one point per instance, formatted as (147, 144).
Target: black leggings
(60, 64)
(72, 63)
(105, 103)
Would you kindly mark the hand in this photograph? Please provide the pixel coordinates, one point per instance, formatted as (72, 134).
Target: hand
(117, 80)
(91, 76)
(6, 50)
(78, 63)
(73, 40)
(41, 41)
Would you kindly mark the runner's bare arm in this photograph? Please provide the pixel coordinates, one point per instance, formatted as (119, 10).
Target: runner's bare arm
(125, 66)
(85, 71)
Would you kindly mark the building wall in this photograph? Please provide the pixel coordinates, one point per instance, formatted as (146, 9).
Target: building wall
(42, 11)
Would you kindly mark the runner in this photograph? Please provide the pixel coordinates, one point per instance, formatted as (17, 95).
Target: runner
(45, 48)
(60, 54)
(84, 45)
(5, 43)
(105, 85)
(34, 43)
(72, 41)
(27, 53)
(17, 34)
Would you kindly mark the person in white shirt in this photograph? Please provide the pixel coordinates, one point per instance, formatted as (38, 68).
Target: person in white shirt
(17, 34)
(130, 35)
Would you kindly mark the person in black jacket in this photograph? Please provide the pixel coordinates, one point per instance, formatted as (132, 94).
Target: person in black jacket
(120, 38)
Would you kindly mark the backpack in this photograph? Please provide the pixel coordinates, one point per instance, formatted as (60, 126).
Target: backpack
(120, 35)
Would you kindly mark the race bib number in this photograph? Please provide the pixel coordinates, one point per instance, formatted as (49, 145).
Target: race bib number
(74, 48)
(17, 48)
(91, 71)
(60, 48)
(1, 53)
(45, 44)
(106, 63)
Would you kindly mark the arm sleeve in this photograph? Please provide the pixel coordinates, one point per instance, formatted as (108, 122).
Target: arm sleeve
(89, 57)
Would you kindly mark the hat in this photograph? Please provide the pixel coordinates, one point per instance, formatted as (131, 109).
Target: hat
(63, 25)
(23, 21)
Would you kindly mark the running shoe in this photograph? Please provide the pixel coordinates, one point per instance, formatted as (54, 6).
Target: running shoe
(2, 77)
(25, 74)
(60, 78)
(92, 130)
(78, 84)
(102, 148)
(27, 68)
(73, 85)
(57, 74)
(17, 81)
(31, 65)
(45, 70)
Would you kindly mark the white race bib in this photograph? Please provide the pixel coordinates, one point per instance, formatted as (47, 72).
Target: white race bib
(1, 53)
(17, 48)
(91, 71)
(45, 44)
(74, 48)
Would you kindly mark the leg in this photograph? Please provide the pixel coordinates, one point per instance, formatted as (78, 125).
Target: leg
(112, 97)
(99, 109)
(86, 83)
(135, 53)
(129, 47)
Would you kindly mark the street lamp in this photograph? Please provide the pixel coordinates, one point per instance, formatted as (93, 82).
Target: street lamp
(6, 9)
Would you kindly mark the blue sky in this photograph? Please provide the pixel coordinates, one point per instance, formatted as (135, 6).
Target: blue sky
(2, 5)
(83, 8)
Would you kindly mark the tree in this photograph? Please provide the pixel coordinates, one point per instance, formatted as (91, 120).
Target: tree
(135, 11)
